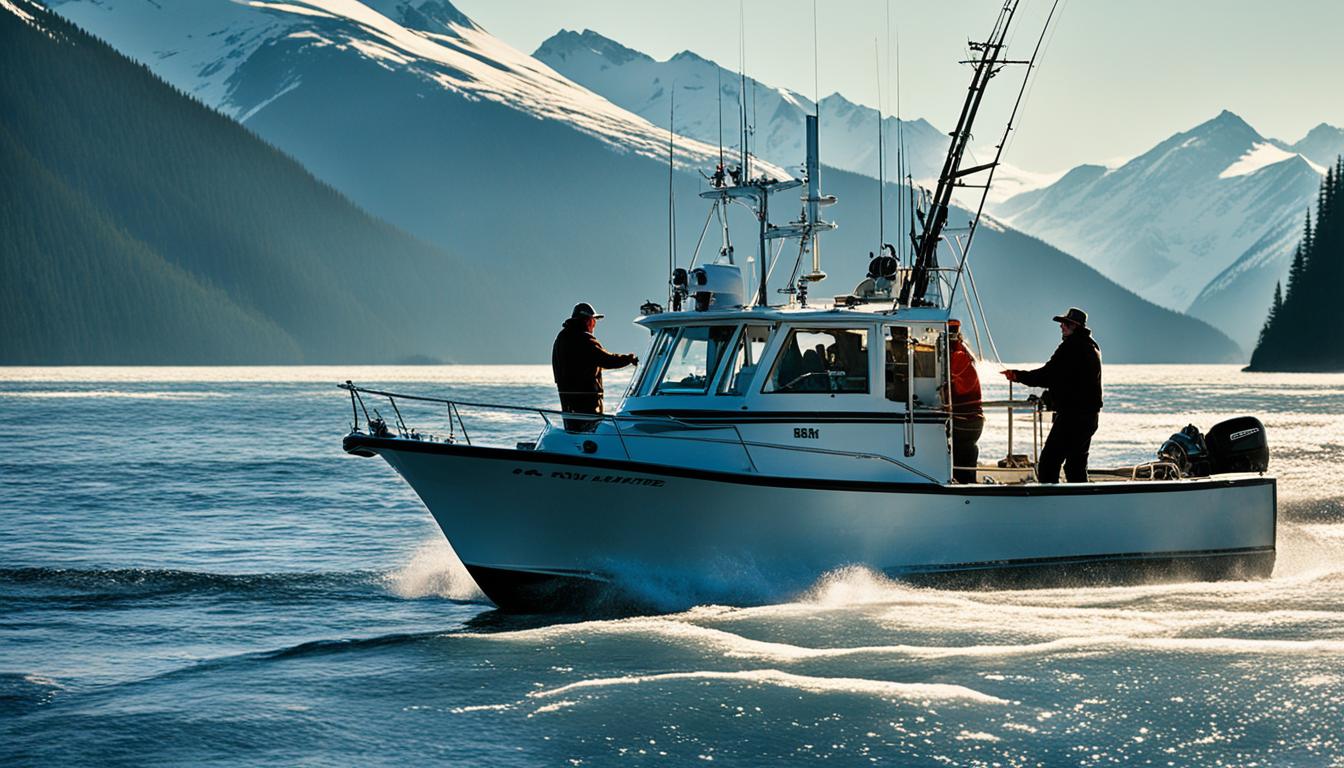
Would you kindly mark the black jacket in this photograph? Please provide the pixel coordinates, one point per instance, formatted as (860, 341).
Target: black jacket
(1073, 374)
(577, 360)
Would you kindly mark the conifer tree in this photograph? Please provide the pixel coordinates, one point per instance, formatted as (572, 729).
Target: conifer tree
(1274, 309)
(1302, 331)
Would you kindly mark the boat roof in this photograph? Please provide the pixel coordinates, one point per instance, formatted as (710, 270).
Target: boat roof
(864, 313)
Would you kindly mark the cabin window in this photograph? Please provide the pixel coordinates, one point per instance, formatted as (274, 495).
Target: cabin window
(830, 360)
(653, 362)
(925, 344)
(694, 358)
(745, 360)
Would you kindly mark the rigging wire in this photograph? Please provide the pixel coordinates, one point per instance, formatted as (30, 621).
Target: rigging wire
(989, 180)
(703, 231)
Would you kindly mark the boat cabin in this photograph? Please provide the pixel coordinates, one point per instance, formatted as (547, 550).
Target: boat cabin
(774, 390)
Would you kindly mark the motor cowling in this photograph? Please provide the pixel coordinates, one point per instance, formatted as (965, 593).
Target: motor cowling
(1238, 445)
(1235, 445)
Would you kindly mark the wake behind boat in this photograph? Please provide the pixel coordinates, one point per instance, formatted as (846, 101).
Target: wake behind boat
(789, 439)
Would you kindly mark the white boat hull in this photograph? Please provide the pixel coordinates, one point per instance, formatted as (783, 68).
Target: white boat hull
(539, 530)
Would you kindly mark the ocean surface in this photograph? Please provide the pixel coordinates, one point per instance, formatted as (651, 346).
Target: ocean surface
(193, 573)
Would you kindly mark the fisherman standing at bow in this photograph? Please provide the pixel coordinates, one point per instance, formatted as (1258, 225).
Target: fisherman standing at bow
(577, 360)
(1073, 377)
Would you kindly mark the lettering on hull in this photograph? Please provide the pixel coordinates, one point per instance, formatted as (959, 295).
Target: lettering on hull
(588, 477)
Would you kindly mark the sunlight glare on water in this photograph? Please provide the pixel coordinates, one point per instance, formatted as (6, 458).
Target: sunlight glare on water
(193, 572)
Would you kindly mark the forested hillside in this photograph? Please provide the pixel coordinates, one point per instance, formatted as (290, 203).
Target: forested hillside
(139, 226)
(1305, 329)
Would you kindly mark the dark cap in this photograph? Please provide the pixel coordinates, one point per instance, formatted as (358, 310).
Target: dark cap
(1074, 315)
(584, 309)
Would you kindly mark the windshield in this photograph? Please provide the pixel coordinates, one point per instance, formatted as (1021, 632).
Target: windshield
(693, 360)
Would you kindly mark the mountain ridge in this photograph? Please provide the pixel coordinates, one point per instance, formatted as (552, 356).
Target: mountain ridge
(1172, 222)
(558, 213)
(144, 227)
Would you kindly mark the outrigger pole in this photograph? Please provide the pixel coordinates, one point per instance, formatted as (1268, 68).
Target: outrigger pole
(935, 218)
(965, 266)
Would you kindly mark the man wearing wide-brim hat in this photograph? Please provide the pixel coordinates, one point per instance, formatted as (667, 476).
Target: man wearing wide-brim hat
(1073, 378)
(577, 361)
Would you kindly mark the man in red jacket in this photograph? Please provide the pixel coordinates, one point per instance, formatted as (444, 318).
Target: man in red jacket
(968, 415)
(577, 360)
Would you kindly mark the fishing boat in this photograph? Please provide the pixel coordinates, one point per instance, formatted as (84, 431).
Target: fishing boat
(789, 435)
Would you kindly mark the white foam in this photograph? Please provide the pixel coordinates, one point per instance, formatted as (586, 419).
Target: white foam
(481, 708)
(433, 570)
(554, 706)
(880, 688)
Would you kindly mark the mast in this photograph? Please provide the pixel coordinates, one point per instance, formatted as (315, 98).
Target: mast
(881, 158)
(935, 218)
(671, 194)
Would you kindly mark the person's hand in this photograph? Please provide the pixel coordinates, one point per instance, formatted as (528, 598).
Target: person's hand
(634, 359)
(1010, 375)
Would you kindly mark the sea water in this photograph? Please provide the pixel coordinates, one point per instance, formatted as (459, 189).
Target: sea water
(192, 572)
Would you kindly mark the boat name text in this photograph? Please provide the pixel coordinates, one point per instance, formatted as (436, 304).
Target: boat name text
(806, 433)
(648, 482)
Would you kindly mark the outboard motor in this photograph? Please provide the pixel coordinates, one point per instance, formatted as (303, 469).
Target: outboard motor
(1238, 445)
(1188, 451)
(1235, 445)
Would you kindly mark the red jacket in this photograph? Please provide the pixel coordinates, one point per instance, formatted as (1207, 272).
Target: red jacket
(965, 384)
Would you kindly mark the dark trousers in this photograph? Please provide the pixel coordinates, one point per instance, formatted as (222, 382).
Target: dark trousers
(965, 448)
(581, 403)
(1068, 443)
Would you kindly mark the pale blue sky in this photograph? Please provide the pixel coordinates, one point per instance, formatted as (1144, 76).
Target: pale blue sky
(1116, 77)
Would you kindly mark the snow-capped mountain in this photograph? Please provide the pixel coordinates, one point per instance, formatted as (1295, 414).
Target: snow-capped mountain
(219, 51)
(707, 106)
(1322, 145)
(708, 95)
(423, 118)
(1168, 223)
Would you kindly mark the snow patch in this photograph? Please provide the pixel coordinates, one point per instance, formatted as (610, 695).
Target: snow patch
(376, 51)
(288, 8)
(1260, 155)
(16, 10)
(243, 118)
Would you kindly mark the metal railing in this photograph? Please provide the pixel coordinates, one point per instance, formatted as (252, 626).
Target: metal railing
(378, 427)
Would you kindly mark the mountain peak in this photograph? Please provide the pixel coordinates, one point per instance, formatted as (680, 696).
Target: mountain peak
(692, 56)
(1226, 121)
(425, 15)
(1324, 129)
(566, 42)
(1322, 144)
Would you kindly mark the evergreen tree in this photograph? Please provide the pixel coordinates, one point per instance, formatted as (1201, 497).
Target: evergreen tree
(1304, 329)
(1274, 309)
(138, 226)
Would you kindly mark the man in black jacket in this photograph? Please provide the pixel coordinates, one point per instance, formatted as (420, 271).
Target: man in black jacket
(577, 360)
(1073, 376)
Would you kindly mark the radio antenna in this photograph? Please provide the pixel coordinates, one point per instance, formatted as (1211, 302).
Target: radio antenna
(881, 157)
(718, 71)
(671, 193)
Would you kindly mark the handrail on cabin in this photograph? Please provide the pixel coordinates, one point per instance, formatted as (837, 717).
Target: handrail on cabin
(356, 393)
